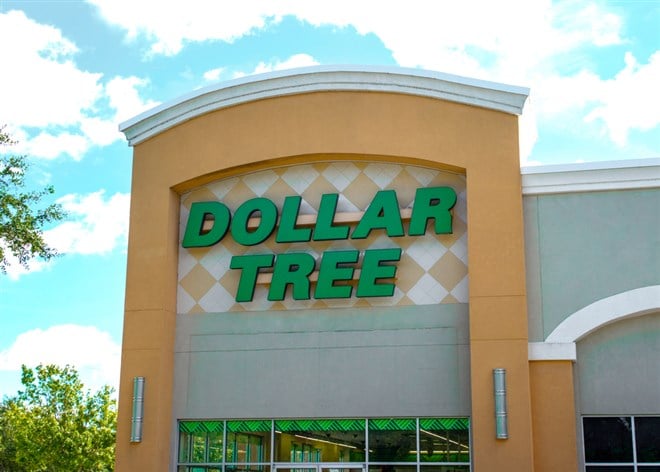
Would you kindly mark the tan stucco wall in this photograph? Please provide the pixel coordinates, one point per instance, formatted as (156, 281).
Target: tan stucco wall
(335, 126)
(553, 409)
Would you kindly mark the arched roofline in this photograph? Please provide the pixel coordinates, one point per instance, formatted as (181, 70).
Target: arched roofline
(560, 344)
(490, 95)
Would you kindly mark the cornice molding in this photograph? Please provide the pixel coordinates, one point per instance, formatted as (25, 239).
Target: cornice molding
(505, 98)
(591, 177)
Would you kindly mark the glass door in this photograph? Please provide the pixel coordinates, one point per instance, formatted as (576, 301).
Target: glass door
(296, 467)
(319, 467)
(341, 467)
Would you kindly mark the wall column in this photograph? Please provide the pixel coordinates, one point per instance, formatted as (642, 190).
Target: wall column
(553, 407)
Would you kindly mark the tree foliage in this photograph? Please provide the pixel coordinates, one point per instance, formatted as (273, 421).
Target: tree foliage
(53, 425)
(22, 216)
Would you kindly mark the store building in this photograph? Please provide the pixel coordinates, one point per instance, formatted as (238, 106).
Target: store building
(345, 269)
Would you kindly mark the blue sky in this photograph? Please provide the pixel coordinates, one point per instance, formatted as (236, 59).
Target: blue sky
(73, 70)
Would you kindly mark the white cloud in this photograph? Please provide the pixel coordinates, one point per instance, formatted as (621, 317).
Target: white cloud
(50, 146)
(528, 133)
(586, 23)
(630, 100)
(42, 86)
(99, 132)
(97, 225)
(611, 107)
(171, 23)
(91, 351)
(45, 89)
(438, 35)
(514, 41)
(125, 98)
(213, 74)
(297, 60)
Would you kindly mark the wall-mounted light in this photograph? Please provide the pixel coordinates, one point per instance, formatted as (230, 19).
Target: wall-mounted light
(499, 390)
(138, 409)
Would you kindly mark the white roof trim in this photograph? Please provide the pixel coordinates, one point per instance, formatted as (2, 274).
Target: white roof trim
(589, 177)
(491, 95)
(560, 345)
(552, 352)
(637, 302)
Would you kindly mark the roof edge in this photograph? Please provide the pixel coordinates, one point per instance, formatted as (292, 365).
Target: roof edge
(591, 176)
(491, 95)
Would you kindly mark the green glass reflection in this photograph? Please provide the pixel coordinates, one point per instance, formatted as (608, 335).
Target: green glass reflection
(198, 453)
(201, 426)
(250, 426)
(332, 424)
(184, 447)
(335, 440)
(393, 440)
(214, 447)
(320, 440)
(444, 423)
(248, 442)
(200, 441)
(444, 441)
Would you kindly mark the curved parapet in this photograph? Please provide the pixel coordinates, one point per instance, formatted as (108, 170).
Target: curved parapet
(505, 98)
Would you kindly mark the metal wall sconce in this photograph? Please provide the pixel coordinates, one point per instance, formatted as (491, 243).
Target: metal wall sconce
(138, 409)
(501, 418)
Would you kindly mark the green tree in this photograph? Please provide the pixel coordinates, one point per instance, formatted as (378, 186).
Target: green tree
(22, 215)
(54, 425)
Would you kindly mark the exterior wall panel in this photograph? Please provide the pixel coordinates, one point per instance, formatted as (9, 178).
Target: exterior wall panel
(618, 370)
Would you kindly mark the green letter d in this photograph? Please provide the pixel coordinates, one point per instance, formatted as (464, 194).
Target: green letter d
(199, 211)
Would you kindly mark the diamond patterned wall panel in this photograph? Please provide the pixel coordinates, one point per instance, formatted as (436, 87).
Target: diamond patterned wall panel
(433, 268)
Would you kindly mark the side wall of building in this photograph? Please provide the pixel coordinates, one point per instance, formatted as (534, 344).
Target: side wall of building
(593, 278)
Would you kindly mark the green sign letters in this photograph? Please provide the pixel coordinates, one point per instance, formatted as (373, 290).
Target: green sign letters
(336, 268)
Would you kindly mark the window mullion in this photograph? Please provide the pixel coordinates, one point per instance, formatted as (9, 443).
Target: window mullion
(634, 441)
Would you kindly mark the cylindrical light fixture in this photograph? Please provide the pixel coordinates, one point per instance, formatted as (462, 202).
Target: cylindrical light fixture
(501, 420)
(138, 409)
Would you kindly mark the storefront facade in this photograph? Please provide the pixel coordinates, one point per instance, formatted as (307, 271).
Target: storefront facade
(327, 270)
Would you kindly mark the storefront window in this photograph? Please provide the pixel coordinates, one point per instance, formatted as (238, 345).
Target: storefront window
(647, 439)
(623, 443)
(444, 440)
(248, 445)
(200, 442)
(325, 445)
(393, 440)
(326, 440)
